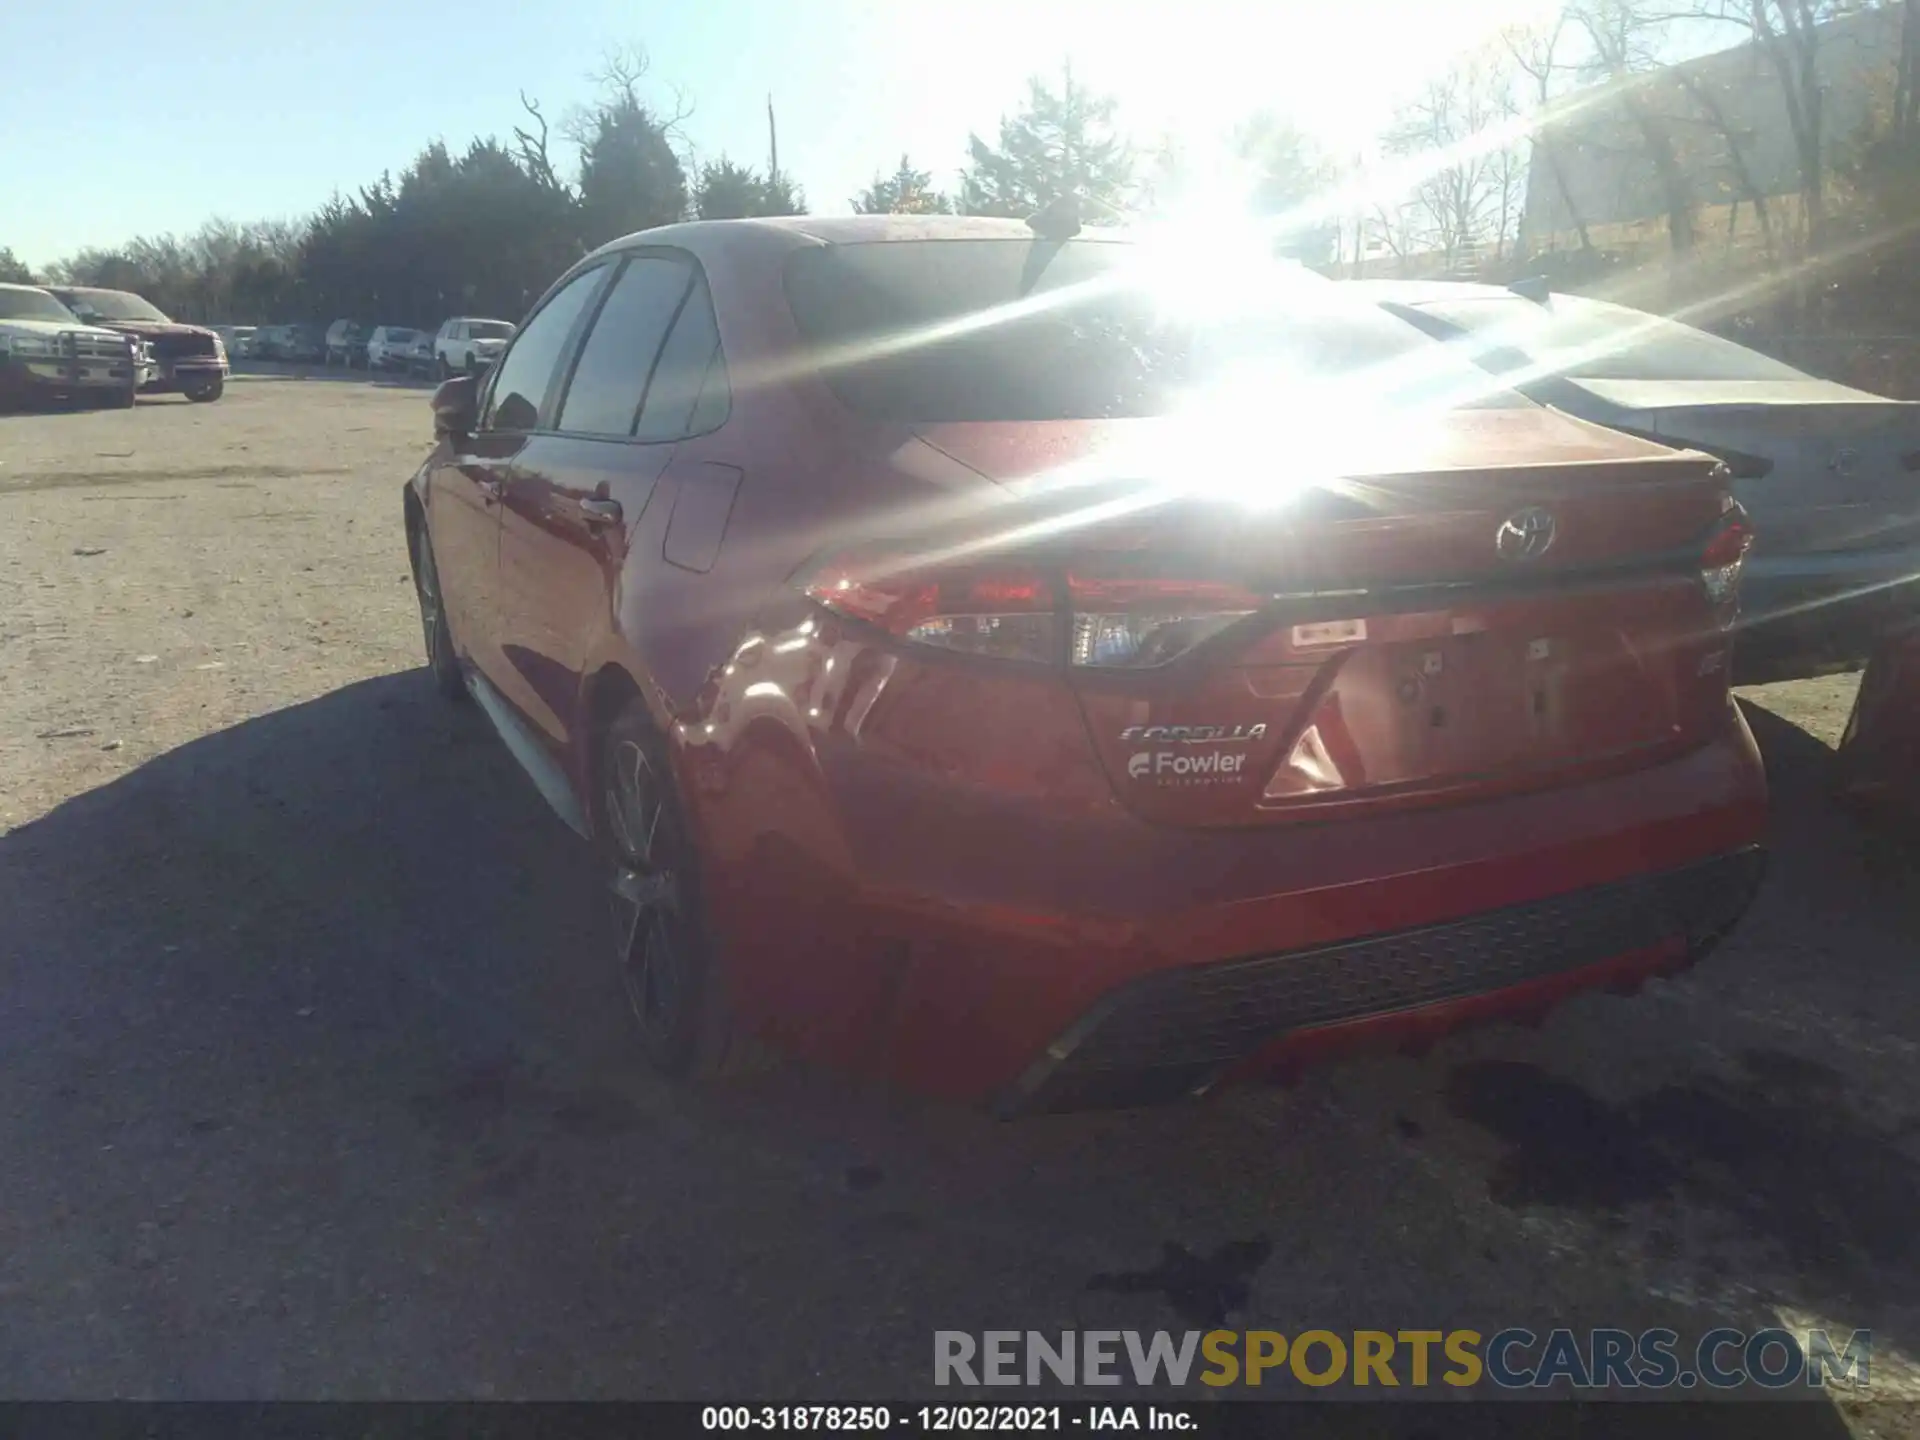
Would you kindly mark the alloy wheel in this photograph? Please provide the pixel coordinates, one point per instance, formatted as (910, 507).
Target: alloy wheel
(648, 925)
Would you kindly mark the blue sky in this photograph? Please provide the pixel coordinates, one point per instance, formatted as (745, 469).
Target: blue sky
(139, 117)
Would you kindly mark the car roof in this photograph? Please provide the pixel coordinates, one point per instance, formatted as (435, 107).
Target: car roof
(791, 232)
(32, 289)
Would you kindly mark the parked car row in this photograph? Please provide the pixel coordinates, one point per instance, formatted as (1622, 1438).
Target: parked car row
(461, 345)
(295, 342)
(1094, 703)
(85, 345)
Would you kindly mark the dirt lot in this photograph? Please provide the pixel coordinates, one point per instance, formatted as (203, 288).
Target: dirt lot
(311, 1084)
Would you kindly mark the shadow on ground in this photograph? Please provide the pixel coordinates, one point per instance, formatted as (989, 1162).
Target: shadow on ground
(312, 1083)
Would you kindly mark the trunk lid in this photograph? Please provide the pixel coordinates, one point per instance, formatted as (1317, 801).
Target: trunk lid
(1505, 596)
(1837, 467)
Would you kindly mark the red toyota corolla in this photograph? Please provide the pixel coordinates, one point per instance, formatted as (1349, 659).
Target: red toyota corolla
(1065, 669)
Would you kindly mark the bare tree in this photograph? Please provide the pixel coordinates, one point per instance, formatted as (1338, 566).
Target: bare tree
(618, 81)
(1460, 131)
(1789, 33)
(1734, 137)
(1906, 101)
(1624, 40)
(1388, 228)
(531, 146)
(1539, 54)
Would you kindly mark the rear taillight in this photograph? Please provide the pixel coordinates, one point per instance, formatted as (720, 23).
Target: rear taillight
(1137, 623)
(1011, 612)
(1005, 612)
(1725, 551)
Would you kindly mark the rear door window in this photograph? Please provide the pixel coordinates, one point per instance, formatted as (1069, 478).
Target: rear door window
(604, 395)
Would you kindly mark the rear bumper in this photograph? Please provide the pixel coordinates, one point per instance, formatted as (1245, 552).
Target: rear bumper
(1805, 614)
(985, 950)
(1178, 1034)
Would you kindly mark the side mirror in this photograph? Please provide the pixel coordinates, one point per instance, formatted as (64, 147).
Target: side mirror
(456, 406)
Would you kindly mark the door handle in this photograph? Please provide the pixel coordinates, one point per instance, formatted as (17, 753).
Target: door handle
(492, 489)
(600, 511)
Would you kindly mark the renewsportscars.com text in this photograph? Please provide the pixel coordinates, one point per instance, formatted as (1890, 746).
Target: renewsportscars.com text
(1511, 1359)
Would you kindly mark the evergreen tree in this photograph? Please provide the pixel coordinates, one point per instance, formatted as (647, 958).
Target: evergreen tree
(630, 179)
(1062, 142)
(731, 192)
(905, 192)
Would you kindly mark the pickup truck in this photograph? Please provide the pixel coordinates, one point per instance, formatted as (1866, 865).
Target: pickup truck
(187, 359)
(48, 355)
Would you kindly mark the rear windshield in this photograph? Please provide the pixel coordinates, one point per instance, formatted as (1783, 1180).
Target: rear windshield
(489, 330)
(32, 305)
(1592, 340)
(1026, 330)
(398, 337)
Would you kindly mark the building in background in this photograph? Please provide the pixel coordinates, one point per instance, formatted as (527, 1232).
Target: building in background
(1726, 117)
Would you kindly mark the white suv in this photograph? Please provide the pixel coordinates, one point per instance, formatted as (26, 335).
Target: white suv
(466, 343)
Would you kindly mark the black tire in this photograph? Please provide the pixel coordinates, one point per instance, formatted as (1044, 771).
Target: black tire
(123, 399)
(205, 392)
(441, 660)
(656, 917)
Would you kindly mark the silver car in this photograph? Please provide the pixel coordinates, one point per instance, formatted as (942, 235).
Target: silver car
(388, 345)
(1828, 473)
(238, 339)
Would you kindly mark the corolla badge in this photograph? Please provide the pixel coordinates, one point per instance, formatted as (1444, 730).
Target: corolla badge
(1194, 734)
(1525, 534)
(1845, 461)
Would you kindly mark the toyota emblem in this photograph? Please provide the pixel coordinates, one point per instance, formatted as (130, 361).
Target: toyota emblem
(1525, 534)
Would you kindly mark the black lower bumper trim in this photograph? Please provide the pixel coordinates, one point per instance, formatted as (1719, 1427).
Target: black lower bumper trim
(1171, 1034)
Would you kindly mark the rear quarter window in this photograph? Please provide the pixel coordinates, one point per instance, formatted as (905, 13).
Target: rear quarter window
(688, 394)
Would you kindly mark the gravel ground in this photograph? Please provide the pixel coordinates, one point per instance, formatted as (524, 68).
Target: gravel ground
(311, 1084)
